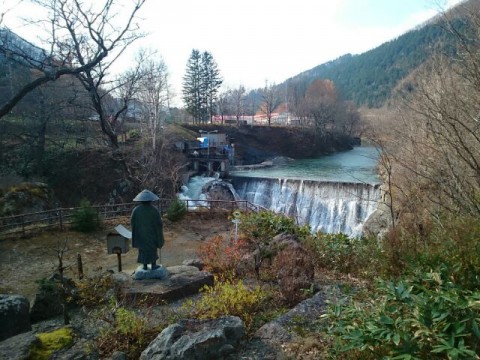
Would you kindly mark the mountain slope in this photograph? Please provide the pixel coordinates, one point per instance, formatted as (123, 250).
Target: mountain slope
(368, 78)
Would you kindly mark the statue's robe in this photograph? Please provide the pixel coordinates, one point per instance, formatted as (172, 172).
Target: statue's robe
(147, 232)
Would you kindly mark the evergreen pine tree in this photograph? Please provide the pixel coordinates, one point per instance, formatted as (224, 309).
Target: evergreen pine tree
(201, 83)
(212, 82)
(192, 86)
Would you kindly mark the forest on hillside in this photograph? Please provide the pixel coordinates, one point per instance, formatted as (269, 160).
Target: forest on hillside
(368, 79)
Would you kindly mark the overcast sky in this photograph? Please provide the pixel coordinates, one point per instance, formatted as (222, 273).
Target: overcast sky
(257, 40)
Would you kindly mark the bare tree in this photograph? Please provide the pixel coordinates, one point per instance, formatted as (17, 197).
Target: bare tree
(433, 146)
(224, 103)
(153, 93)
(83, 41)
(4, 8)
(238, 102)
(160, 169)
(270, 101)
(348, 121)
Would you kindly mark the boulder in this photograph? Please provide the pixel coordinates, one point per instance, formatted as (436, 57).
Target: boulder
(182, 281)
(379, 222)
(283, 241)
(14, 315)
(270, 340)
(194, 262)
(219, 190)
(278, 331)
(118, 355)
(197, 339)
(26, 198)
(18, 347)
(48, 302)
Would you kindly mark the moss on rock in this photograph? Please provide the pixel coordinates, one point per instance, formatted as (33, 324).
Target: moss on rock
(51, 342)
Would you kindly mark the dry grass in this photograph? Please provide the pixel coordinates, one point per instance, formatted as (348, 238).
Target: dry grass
(23, 261)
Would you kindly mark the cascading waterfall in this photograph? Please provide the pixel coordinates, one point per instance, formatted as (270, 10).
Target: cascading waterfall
(330, 207)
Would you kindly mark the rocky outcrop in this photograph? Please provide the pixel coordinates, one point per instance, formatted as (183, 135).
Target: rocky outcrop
(14, 315)
(18, 347)
(196, 339)
(26, 198)
(220, 190)
(379, 223)
(49, 300)
(269, 341)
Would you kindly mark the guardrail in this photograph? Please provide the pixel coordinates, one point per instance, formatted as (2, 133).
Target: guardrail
(62, 217)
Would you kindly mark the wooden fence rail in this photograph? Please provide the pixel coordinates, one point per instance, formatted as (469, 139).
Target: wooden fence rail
(62, 217)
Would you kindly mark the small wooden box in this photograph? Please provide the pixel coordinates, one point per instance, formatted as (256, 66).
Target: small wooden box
(116, 242)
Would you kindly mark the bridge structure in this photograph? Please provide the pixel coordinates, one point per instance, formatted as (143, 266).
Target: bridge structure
(211, 153)
(209, 163)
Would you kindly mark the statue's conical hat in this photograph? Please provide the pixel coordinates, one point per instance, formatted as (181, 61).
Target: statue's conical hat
(146, 195)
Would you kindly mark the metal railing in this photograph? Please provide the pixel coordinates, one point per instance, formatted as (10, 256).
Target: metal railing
(61, 218)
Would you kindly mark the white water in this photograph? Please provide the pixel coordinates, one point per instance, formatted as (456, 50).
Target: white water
(330, 207)
(340, 195)
(193, 191)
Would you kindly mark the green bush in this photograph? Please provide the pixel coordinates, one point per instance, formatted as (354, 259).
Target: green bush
(134, 134)
(264, 225)
(425, 317)
(86, 218)
(455, 246)
(128, 332)
(229, 298)
(345, 254)
(176, 211)
(450, 243)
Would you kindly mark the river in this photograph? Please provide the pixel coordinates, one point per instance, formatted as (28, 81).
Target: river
(357, 165)
(334, 193)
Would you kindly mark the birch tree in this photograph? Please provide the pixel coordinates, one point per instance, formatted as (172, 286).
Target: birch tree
(154, 95)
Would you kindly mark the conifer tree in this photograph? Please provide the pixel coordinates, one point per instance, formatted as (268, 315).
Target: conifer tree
(192, 86)
(201, 83)
(211, 81)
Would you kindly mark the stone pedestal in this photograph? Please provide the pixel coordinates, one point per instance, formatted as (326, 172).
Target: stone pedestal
(181, 281)
(159, 273)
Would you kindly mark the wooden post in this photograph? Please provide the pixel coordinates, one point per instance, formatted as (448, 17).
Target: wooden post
(60, 214)
(118, 251)
(119, 260)
(80, 266)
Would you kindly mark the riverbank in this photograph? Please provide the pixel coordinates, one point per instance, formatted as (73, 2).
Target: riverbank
(254, 145)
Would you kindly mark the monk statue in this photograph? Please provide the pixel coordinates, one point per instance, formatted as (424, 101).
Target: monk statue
(147, 229)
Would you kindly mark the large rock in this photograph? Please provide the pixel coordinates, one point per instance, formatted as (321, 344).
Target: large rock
(182, 281)
(48, 301)
(18, 347)
(196, 339)
(306, 313)
(14, 315)
(270, 340)
(26, 198)
(379, 222)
